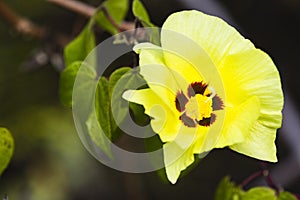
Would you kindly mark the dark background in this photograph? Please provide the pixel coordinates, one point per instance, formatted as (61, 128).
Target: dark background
(50, 162)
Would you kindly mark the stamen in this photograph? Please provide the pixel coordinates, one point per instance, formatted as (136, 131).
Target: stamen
(196, 88)
(198, 106)
(207, 121)
(180, 101)
(217, 103)
(189, 122)
(212, 95)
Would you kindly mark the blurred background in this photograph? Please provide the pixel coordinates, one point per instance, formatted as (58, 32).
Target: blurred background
(50, 162)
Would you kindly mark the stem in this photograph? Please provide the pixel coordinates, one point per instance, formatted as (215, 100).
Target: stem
(110, 19)
(251, 178)
(266, 174)
(76, 6)
(88, 11)
(21, 24)
(268, 177)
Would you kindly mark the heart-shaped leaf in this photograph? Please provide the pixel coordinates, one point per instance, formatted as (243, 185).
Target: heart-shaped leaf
(6, 148)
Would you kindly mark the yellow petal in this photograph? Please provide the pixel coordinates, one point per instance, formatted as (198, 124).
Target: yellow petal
(259, 144)
(252, 73)
(164, 81)
(176, 159)
(149, 54)
(190, 60)
(186, 136)
(213, 34)
(197, 47)
(165, 121)
(238, 122)
(183, 53)
(154, 55)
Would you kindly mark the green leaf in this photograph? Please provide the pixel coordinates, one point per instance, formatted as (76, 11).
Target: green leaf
(83, 103)
(227, 190)
(115, 96)
(117, 10)
(259, 193)
(111, 108)
(68, 77)
(81, 46)
(138, 114)
(102, 106)
(97, 134)
(286, 196)
(116, 76)
(6, 148)
(75, 53)
(121, 80)
(66, 83)
(140, 12)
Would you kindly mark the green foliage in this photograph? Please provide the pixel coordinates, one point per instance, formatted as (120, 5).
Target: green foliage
(286, 196)
(116, 103)
(259, 193)
(111, 108)
(141, 14)
(67, 79)
(102, 105)
(228, 190)
(6, 148)
(138, 114)
(75, 57)
(81, 46)
(96, 132)
(101, 124)
(116, 9)
(74, 54)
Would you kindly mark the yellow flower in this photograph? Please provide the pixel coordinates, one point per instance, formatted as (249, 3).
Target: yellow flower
(209, 87)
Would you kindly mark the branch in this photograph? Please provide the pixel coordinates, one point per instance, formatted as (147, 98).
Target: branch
(76, 6)
(19, 23)
(110, 19)
(269, 180)
(89, 11)
(251, 178)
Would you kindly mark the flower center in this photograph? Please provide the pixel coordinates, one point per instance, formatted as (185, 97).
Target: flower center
(199, 107)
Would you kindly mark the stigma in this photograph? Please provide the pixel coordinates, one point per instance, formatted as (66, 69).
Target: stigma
(199, 107)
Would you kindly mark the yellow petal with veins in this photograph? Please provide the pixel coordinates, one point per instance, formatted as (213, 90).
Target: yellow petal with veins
(197, 47)
(165, 121)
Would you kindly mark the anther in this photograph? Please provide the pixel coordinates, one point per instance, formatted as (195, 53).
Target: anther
(212, 95)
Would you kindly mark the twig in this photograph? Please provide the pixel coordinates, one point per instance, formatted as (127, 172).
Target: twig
(268, 178)
(110, 19)
(265, 173)
(76, 6)
(21, 24)
(251, 178)
(89, 11)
